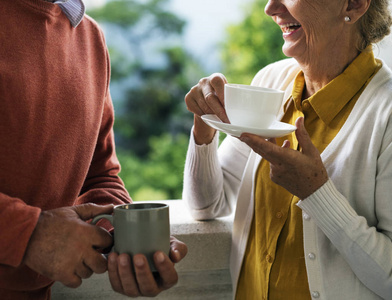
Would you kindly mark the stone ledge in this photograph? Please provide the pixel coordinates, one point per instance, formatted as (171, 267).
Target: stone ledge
(203, 274)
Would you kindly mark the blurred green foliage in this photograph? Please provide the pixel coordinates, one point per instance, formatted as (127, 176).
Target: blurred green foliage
(251, 45)
(159, 175)
(154, 71)
(156, 105)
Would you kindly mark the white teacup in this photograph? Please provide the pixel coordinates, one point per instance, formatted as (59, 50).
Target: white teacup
(252, 106)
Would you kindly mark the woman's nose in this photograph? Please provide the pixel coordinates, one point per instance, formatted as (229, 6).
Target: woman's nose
(274, 7)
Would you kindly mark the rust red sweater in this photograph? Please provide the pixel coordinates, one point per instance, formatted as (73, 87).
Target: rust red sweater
(56, 117)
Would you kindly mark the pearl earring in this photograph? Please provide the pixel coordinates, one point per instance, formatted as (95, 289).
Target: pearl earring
(347, 18)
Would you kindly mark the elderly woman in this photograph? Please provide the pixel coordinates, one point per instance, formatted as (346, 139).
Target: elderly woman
(307, 225)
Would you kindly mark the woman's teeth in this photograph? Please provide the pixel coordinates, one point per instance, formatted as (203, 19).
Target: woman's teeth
(287, 28)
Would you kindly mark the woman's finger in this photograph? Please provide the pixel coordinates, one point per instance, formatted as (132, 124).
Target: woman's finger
(213, 95)
(304, 139)
(218, 82)
(193, 106)
(269, 151)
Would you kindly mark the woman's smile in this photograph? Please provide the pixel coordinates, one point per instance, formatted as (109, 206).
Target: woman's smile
(303, 25)
(290, 28)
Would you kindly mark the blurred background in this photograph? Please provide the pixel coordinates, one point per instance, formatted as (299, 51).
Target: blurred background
(159, 49)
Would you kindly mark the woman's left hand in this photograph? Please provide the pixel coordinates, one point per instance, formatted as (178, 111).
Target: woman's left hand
(299, 172)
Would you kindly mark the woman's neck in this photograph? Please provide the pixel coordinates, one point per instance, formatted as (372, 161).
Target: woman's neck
(321, 70)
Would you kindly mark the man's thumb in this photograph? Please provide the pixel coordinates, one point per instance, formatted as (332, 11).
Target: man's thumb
(90, 210)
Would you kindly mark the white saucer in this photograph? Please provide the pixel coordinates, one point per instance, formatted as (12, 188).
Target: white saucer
(276, 129)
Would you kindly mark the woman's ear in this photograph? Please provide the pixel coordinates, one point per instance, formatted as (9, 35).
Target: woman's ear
(356, 9)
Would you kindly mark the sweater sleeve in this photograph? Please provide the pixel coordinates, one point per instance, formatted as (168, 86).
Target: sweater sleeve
(367, 249)
(102, 184)
(212, 177)
(17, 223)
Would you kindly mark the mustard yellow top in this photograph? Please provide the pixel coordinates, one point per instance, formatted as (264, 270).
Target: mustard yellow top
(274, 263)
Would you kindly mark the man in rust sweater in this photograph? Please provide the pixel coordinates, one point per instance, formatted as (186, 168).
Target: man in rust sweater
(57, 155)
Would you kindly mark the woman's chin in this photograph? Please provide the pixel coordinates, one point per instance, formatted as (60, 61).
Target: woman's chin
(293, 50)
(288, 51)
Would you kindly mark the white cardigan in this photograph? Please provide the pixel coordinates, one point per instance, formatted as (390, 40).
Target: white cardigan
(347, 223)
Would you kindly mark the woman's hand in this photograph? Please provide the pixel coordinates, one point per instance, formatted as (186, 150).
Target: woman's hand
(207, 97)
(299, 172)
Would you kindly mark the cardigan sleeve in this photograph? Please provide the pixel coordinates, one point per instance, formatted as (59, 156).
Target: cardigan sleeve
(366, 248)
(212, 176)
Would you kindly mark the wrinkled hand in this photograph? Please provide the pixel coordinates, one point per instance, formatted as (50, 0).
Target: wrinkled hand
(207, 97)
(63, 247)
(299, 172)
(143, 283)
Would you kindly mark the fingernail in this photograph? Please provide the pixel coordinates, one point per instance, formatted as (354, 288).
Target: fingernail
(138, 261)
(177, 254)
(112, 259)
(160, 257)
(124, 261)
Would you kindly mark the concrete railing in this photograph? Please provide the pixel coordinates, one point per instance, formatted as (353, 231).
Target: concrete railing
(203, 274)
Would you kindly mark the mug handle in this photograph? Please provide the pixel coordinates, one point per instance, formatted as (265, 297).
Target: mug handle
(99, 217)
(107, 217)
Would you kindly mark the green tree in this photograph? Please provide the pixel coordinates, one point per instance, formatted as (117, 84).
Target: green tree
(251, 45)
(153, 102)
(156, 106)
(155, 72)
(128, 14)
(138, 22)
(159, 176)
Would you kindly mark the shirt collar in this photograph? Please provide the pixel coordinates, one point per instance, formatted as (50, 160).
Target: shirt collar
(73, 9)
(344, 87)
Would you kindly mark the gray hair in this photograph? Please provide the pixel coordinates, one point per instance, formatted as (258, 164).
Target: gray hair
(375, 24)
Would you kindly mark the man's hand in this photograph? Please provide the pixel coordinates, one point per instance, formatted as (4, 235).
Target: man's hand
(143, 282)
(63, 247)
(299, 172)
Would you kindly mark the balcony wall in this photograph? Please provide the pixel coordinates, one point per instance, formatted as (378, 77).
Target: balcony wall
(203, 274)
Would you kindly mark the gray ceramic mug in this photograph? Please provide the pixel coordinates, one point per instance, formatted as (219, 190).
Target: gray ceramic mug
(140, 228)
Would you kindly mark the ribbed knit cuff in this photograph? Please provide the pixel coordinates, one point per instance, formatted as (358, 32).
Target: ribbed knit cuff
(328, 208)
(205, 149)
